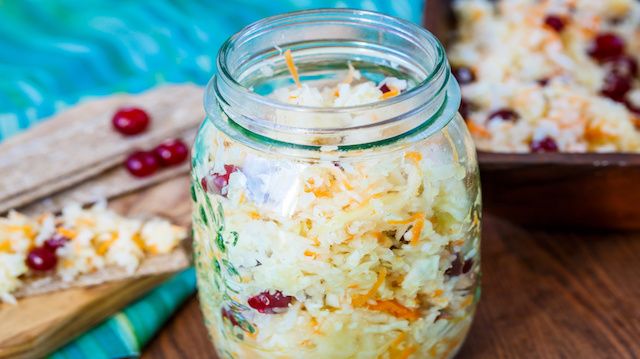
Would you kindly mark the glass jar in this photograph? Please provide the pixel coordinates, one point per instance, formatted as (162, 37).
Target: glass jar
(341, 232)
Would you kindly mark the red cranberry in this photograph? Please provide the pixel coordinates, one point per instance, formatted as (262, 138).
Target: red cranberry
(624, 65)
(606, 46)
(468, 264)
(41, 259)
(266, 302)
(203, 183)
(218, 180)
(463, 74)
(632, 107)
(616, 86)
(130, 121)
(464, 109)
(171, 152)
(384, 88)
(543, 82)
(56, 241)
(555, 22)
(456, 267)
(141, 164)
(228, 314)
(546, 144)
(504, 114)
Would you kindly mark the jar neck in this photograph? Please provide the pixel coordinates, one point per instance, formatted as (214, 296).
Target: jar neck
(324, 42)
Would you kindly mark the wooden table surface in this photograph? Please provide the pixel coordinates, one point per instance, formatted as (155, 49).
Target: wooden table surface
(545, 295)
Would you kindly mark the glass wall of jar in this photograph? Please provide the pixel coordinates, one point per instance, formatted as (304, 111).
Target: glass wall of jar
(336, 216)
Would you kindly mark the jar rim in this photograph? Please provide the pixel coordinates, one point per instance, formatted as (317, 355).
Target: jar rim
(251, 29)
(348, 34)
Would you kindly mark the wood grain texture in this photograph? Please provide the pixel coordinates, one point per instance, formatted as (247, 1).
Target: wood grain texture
(545, 295)
(40, 324)
(563, 190)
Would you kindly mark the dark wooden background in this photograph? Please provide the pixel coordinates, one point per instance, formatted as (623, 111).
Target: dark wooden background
(545, 295)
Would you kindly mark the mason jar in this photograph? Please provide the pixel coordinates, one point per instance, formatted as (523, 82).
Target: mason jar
(341, 231)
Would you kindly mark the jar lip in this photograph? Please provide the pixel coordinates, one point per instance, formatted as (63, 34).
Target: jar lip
(251, 30)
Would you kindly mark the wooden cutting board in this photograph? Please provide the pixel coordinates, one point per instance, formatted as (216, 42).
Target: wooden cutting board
(38, 325)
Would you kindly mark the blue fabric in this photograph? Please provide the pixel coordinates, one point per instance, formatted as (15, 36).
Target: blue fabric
(125, 334)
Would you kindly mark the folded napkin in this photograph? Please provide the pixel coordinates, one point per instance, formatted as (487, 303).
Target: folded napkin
(126, 333)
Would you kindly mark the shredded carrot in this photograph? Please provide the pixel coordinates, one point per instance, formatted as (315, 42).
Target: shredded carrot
(104, 246)
(379, 235)
(416, 230)
(407, 352)
(393, 92)
(394, 308)
(137, 239)
(316, 242)
(418, 224)
(360, 300)
(313, 322)
(309, 253)
(396, 342)
(29, 232)
(292, 67)
(477, 129)
(69, 233)
(437, 292)
(254, 215)
(413, 156)
(26, 230)
(5, 246)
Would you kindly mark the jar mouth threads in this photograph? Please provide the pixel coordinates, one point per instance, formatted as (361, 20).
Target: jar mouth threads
(324, 42)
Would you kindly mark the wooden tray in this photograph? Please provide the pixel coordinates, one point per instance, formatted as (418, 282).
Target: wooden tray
(554, 189)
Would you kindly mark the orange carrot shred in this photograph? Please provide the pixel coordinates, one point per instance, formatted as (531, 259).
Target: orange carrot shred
(478, 130)
(292, 67)
(417, 229)
(407, 352)
(360, 300)
(418, 224)
(414, 156)
(6, 247)
(393, 92)
(394, 308)
(396, 342)
(69, 233)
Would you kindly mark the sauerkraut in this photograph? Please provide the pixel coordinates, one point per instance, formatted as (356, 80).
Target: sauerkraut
(373, 256)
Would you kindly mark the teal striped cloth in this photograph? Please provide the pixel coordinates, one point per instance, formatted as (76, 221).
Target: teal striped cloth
(55, 53)
(125, 334)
